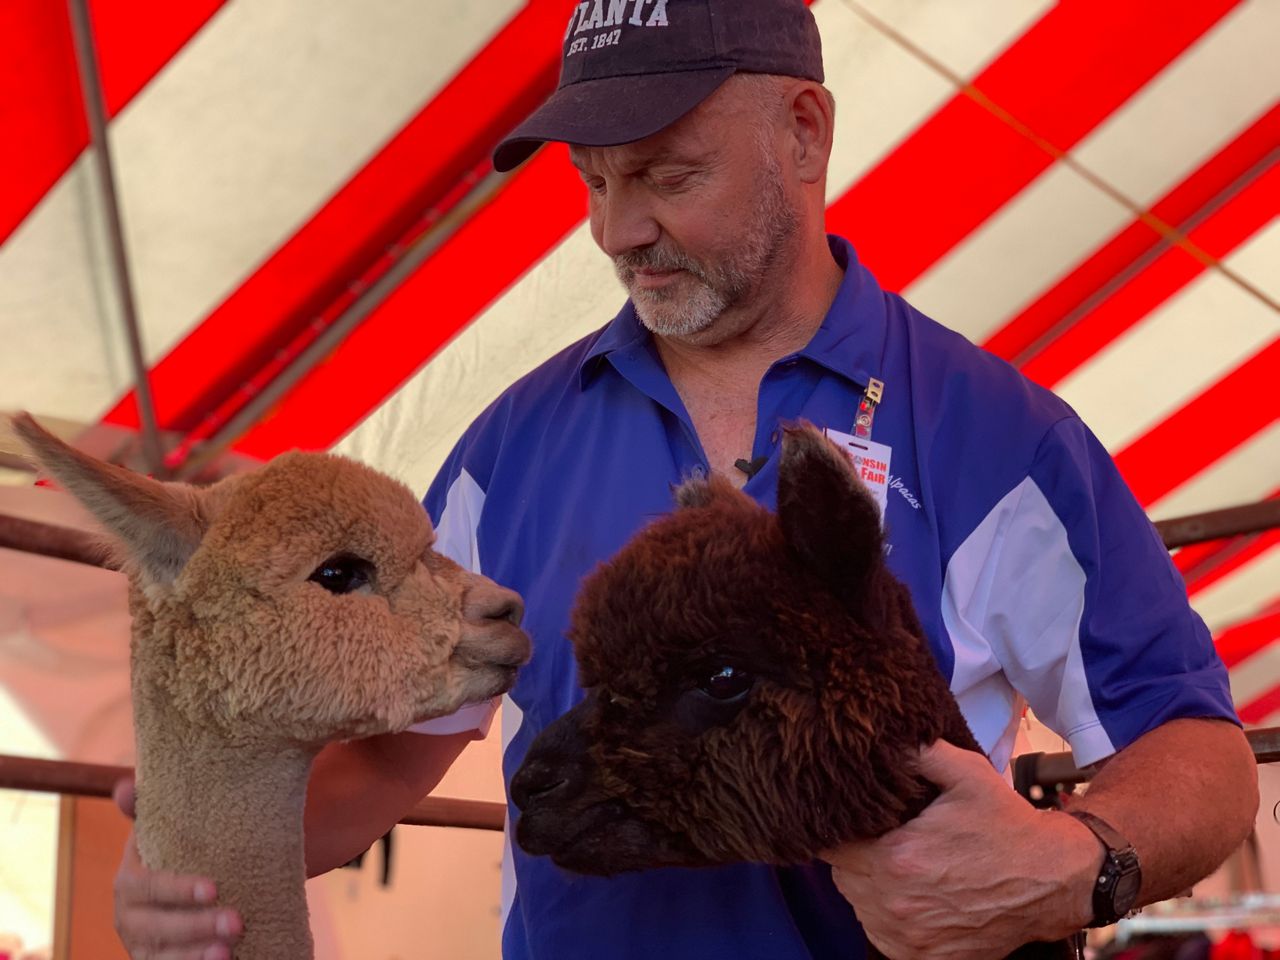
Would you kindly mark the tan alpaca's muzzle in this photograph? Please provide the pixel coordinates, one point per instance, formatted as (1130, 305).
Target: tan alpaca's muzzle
(491, 635)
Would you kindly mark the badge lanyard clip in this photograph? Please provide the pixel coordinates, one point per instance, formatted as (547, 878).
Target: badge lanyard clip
(871, 398)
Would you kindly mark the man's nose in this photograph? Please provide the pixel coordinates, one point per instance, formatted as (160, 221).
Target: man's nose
(623, 222)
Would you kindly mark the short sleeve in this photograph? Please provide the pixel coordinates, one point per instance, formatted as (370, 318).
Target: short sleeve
(1083, 608)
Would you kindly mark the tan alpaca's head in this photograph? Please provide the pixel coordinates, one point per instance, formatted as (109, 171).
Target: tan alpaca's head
(302, 602)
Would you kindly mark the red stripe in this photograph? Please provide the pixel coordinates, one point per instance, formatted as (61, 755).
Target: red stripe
(1232, 560)
(1203, 563)
(1095, 81)
(1259, 709)
(354, 229)
(464, 276)
(1226, 228)
(1245, 639)
(41, 106)
(1239, 405)
(1060, 80)
(1216, 178)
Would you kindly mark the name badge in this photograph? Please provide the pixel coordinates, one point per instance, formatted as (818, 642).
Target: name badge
(870, 462)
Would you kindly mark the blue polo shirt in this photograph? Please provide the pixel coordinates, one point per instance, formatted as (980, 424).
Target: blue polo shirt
(1036, 575)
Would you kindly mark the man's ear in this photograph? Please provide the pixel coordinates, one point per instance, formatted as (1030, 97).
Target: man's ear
(828, 517)
(159, 525)
(812, 117)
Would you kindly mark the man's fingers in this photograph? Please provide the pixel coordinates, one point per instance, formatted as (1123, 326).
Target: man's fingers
(160, 934)
(217, 952)
(125, 796)
(152, 888)
(945, 765)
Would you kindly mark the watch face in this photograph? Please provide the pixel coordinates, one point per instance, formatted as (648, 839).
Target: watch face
(1126, 892)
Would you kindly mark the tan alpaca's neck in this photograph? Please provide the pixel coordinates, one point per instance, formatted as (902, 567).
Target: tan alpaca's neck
(231, 813)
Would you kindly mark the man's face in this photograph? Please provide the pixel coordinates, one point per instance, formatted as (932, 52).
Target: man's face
(694, 217)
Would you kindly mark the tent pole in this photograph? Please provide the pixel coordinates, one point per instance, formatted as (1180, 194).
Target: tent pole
(97, 780)
(96, 115)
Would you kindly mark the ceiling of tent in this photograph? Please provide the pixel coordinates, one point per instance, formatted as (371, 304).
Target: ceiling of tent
(1088, 189)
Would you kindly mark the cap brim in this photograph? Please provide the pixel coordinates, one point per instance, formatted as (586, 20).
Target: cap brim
(609, 111)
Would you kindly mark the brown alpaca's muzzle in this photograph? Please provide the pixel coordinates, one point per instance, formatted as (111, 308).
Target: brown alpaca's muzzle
(566, 812)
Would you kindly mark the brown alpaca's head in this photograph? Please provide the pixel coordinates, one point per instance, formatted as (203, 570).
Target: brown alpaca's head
(299, 603)
(754, 684)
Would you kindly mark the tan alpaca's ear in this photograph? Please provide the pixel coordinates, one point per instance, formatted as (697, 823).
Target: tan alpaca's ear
(828, 517)
(158, 524)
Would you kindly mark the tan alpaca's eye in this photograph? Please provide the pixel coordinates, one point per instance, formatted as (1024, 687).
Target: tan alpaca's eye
(727, 683)
(343, 573)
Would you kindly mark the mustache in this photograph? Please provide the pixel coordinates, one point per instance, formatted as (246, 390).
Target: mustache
(655, 258)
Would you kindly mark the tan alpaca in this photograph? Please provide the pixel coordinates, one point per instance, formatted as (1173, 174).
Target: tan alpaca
(272, 613)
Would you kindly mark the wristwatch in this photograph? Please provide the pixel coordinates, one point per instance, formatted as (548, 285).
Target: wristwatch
(1116, 889)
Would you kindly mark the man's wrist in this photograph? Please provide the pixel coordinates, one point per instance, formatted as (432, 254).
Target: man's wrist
(1119, 882)
(1084, 858)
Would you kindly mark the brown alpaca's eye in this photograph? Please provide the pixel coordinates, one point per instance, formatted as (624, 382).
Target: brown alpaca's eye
(727, 683)
(343, 573)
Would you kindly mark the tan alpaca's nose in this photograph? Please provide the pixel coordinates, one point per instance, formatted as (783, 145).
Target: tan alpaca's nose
(485, 600)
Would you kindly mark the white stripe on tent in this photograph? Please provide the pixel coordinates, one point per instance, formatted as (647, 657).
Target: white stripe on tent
(1255, 675)
(1245, 475)
(1180, 349)
(859, 59)
(963, 35)
(1242, 594)
(1026, 246)
(224, 155)
(567, 295)
(1201, 100)
(1199, 103)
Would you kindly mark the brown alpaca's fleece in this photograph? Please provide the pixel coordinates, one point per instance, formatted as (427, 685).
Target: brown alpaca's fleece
(652, 771)
(243, 666)
(757, 688)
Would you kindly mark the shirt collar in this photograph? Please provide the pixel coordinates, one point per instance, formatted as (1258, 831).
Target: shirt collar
(623, 331)
(851, 340)
(849, 343)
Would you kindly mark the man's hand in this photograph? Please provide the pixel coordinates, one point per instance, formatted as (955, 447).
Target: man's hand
(164, 916)
(976, 875)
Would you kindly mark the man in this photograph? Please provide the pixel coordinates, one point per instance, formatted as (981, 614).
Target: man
(702, 133)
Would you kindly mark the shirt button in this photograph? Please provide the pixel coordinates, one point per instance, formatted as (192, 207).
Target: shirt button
(773, 437)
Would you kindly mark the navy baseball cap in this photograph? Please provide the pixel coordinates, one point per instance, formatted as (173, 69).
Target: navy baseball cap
(632, 67)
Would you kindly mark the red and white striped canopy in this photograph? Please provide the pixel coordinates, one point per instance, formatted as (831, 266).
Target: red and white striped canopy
(1087, 188)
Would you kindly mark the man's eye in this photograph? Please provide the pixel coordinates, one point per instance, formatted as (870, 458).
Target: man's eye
(671, 182)
(343, 573)
(727, 683)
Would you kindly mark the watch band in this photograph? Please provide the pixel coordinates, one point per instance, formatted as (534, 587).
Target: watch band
(1108, 834)
(1120, 878)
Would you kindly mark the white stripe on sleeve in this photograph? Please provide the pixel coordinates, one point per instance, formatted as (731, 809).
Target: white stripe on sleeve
(1012, 602)
(456, 538)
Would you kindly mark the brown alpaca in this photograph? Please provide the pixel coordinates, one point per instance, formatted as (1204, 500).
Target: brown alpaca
(274, 612)
(756, 685)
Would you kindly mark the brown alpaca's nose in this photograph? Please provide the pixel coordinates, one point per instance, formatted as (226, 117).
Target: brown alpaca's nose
(485, 600)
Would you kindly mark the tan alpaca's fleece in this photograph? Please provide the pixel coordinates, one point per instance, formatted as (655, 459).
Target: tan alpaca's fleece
(242, 612)
(244, 664)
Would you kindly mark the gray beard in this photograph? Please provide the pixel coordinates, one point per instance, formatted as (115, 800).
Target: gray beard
(678, 312)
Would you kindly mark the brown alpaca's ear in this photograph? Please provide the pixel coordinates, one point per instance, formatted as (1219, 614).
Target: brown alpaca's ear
(827, 515)
(159, 524)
